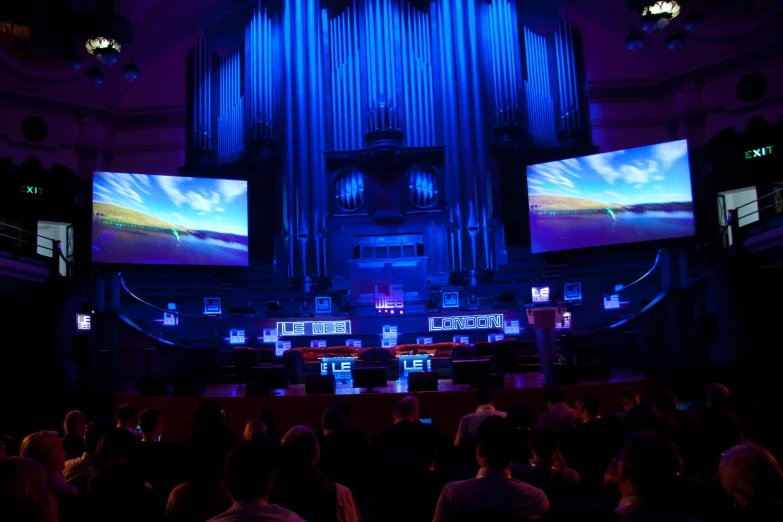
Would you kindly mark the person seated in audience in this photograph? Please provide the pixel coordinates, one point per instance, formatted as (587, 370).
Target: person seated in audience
(354, 434)
(592, 443)
(418, 502)
(493, 494)
(273, 434)
(547, 469)
(646, 475)
(117, 492)
(24, 492)
(202, 496)
(117, 444)
(248, 477)
(343, 458)
(752, 476)
(721, 425)
(408, 434)
(521, 421)
(302, 488)
(559, 415)
(45, 448)
(209, 437)
(85, 464)
(469, 424)
(73, 440)
(151, 425)
(125, 416)
(628, 399)
(255, 431)
(690, 433)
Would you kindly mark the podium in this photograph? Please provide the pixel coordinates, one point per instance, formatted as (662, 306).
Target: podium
(544, 321)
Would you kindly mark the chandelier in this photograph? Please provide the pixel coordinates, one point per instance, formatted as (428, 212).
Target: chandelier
(106, 50)
(658, 15)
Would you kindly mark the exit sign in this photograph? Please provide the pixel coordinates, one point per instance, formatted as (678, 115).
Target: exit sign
(27, 189)
(758, 153)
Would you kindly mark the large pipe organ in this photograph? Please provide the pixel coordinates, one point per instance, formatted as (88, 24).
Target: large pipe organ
(385, 118)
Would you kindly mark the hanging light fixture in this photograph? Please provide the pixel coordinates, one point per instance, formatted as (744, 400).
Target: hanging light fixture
(634, 41)
(106, 33)
(74, 61)
(693, 21)
(675, 41)
(130, 71)
(96, 76)
(655, 14)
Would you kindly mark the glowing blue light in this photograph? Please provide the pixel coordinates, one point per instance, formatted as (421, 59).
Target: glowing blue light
(466, 322)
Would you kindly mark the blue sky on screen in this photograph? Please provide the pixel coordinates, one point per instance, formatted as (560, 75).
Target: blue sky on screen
(218, 205)
(653, 174)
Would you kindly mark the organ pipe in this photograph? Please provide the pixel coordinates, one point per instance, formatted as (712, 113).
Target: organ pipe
(344, 71)
(540, 107)
(379, 32)
(567, 75)
(259, 77)
(231, 117)
(202, 81)
(417, 80)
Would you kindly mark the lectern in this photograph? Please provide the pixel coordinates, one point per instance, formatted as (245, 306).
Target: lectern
(545, 320)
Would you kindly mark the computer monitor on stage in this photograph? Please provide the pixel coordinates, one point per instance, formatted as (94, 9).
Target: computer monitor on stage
(370, 378)
(471, 372)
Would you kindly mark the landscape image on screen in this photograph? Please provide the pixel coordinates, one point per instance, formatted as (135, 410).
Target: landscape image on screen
(632, 195)
(168, 220)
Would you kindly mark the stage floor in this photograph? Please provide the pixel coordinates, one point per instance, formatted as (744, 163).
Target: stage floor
(372, 412)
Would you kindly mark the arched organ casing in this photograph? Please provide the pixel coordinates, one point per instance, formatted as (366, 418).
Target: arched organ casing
(311, 79)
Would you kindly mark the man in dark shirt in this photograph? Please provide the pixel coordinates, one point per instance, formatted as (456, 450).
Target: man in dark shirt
(409, 434)
(73, 440)
(592, 443)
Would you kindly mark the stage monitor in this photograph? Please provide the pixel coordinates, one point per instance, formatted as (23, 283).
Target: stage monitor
(414, 363)
(169, 220)
(83, 322)
(626, 196)
(212, 307)
(471, 372)
(340, 367)
(371, 377)
(572, 291)
(323, 305)
(450, 301)
(540, 294)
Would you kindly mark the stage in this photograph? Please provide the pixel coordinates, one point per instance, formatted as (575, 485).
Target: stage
(372, 412)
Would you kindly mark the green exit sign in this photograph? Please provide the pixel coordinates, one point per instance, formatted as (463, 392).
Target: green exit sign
(27, 189)
(757, 153)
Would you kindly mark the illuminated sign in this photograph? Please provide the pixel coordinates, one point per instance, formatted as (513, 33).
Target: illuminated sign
(424, 340)
(318, 344)
(389, 331)
(566, 322)
(26, 189)
(323, 305)
(356, 343)
(388, 343)
(270, 335)
(306, 328)
(511, 327)
(389, 302)
(612, 302)
(572, 291)
(450, 300)
(414, 363)
(170, 319)
(340, 367)
(466, 322)
(758, 153)
(236, 337)
(462, 339)
(83, 322)
(212, 307)
(494, 337)
(540, 294)
(281, 347)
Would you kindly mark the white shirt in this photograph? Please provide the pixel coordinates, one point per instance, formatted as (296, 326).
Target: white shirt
(256, 511)
(347, 510)
(469, 424)
(491, 494)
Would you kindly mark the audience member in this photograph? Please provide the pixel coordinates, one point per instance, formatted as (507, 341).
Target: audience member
(85, 464)
(248, 478)
(209, 441)
(493, 494)
(355, 435)
(117, 444)
(255, 431)
(45, 448)
(302, 488)
(117, 492)
(344, 458)
(752, 476)
(690, 438)
(151, 425)
(468, 426)
(73, 439)
(24, 492)
(124, 416)
(646, 475)
(592, 443)
(721, 425)
(521, 420)
(559, 415)
(547, 469)
(408, 434)
(628, 399)
(272, 433)
(417, 504)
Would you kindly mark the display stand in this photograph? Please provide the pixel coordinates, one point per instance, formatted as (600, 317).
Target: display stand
(545, 320)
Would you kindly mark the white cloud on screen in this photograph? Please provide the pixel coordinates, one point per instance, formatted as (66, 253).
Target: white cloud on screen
(231, 188)
(535, 181)
(668, 153)
(123, 186)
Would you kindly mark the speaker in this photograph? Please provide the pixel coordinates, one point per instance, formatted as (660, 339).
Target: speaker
(422, 381)
(320, 384)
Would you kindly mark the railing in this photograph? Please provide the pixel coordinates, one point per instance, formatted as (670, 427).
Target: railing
(23, 247)
(734, 216)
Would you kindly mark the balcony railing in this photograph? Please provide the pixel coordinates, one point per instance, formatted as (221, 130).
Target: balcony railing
(17, 244)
